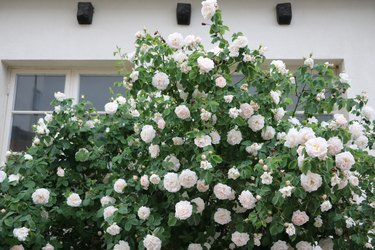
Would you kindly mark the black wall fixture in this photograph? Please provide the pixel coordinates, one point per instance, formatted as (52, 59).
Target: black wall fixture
(284, 13)
(183, 13)
(85, 12)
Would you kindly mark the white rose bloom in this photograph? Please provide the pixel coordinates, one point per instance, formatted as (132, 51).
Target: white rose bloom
(60, 96)
(14, 178)
(368, 112)
(73, 200)
(179, 57)
(266, 178)
(240, 239)
(344, 161)
(48, 247)
(247, 199)
(334, 145)
(344, 78)
(60, 172)
(220, 82)
(21, 233)
(48, 118)
(208, 9)
(275, 95)
(256, 122)
(171, 182)
(155, 179)
(17, 247)
(353, 180)
(361, 142)
(356, 130)
(175, 40)
(122, 245)
(175, 162)
(222, 191)
(241, 42)
(40, 196)
(325, 206)
(254, 148)
(205, 64)
(317, 147)
(312, 120)
(234, 137)
(202, 186)
(148, 133)
(278, 114)
(200, 204)
(294, 121)
(309, 62)
(222, 216)
(107, 200)
(121, 100)
(318, 222)
(234, 112)
(119, 186)
(177, 141)
(154, 150)
(113, 229)
(183, 210)
(144, 182)
(268, 133)
(233, 173)
(304, 245)
(280, 245)
(306, 134)
(280, 66)
(3, 176)
(286, 191)
(205, 115)
(234, 50)
(189, 40)
(326, 244)
(246, 110)
(228, 98)
(195, 246)
(340, 120)
(134, 76)
(144, 213)
(151, 242)
(202, 141)
(188, 178)
(292, 138)
(109, 211)
(311, 182)
(160, 81)
(111, 108)
(182, 112)
(290, 229)
(215, 137)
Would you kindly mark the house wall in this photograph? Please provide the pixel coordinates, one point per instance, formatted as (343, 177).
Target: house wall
(37, 30)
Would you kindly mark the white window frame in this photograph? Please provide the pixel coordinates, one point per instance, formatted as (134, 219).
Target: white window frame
(71, 90)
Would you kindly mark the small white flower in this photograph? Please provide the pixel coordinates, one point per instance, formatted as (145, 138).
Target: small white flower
(228, 98)
(215, 137)
(266, 178)
(222, 216)
(318, 222)
(325, 206)
(246, 110)
(21, 233)
(111, 108)
(171, 182)
(134, 76)
(183, 210)
(182, 112)
(160, 81)
(220, 82)
(247, 199)
(107, 200)
(109, 211)
(122, 245)
(208, 9)
(60, 172)
(202, 186)
(290, 229)
(240, 239)
(154, 150)
(286, 191)
(311, 182)
(119, 186)
(175, 40)
(279, 66)
(175, 162)
(344, 161)
(234, 112)
(60, 96)
(113, 229)
(195, 246)
(275, 95)
(200, 204)
(48, 247)
(223, 192)
(148, 133)
(268, 133)
(155, 179)
(144, 213)
(14, 178)
(234, 137)
(254, 148)
(256, 122)
(317, 147)
(202, 141)
(73, 200)
(187, 178)
(344, 78)
(205, 64)
(368, 112)
(3, 176)
(40, 196)
(233, 173)
(151, 242)
(350, 222)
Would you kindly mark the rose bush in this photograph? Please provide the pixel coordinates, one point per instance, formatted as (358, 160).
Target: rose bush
(190, 159)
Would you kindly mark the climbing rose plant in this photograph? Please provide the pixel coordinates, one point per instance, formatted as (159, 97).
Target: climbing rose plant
(191, 159)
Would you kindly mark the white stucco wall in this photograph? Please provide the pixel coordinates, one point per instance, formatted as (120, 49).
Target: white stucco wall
(48, 30)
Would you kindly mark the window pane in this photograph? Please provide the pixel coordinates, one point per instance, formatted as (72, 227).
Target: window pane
(35, 92)
(22, 133)
(96, 89)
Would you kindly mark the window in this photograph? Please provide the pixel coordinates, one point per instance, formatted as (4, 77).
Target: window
(32, 91)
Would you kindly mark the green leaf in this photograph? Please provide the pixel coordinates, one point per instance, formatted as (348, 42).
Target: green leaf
(172, 220)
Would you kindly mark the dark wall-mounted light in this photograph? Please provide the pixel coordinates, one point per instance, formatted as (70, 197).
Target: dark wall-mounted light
(284, 13)
(183, 13)
(85, 12)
